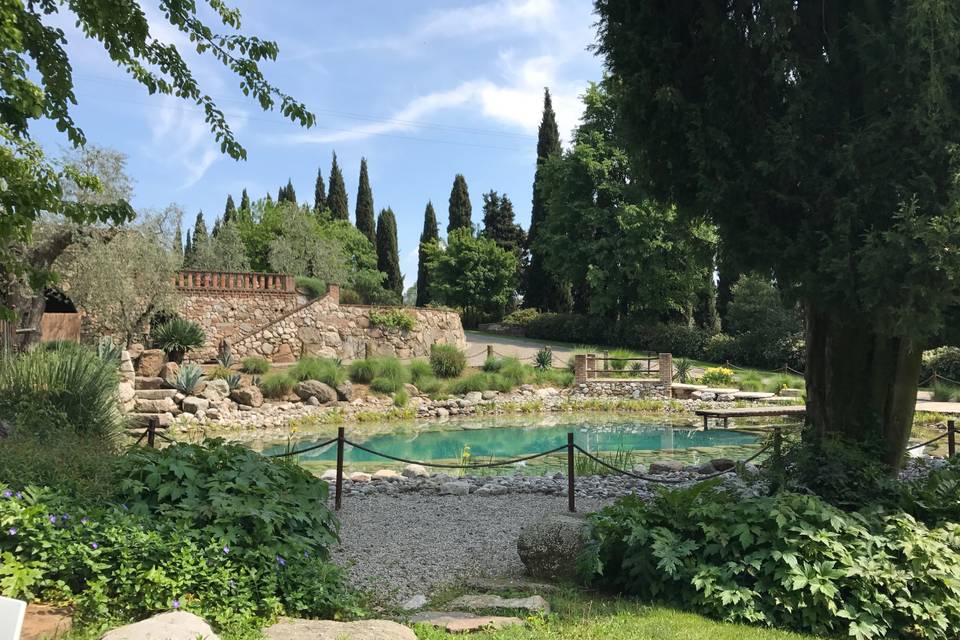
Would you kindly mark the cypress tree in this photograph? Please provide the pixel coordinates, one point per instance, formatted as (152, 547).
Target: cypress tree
(187, 249)
(388, 257)
(287, 193)
(460, 210)
(200, 235)
(337, 197)
(499, 225)
(365, 221)
(245, 202)
(429, 235)
(319, 194)
(543, 291)
(178, 243)
(269, 199)
(229, 211)
(216, 228)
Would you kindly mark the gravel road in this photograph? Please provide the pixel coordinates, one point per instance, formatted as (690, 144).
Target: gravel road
(522, 348)
(402, 545)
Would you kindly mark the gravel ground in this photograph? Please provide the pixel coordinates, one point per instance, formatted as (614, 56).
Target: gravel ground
(398, 546)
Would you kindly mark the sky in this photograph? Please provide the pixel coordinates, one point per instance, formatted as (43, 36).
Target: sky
(423, 90)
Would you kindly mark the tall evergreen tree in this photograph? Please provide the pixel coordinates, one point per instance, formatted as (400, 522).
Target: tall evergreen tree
(429, 236)
(187, 249)
(365, 220)
(245, 203)
(269, 199)
(542, 289)
(287, 193)
(388, 256)
(230, 210)
(200, 235)
(337, 197)
(319, 194)
(178, 243)
(216, 228)
(461, 211)
(499, 225)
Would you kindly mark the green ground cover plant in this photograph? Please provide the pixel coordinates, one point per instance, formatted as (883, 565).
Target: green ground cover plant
(256, 365)
(392, 319)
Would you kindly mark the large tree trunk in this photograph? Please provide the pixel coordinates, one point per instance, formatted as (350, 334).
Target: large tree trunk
(861, 383)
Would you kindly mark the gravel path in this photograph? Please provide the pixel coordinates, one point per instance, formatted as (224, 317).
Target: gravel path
(402, 545)
(523, 348)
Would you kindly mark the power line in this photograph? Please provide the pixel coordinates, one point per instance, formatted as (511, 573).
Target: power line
(353, 115)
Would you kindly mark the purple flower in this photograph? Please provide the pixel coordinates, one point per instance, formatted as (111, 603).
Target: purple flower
(18, 494)
(175, 604)
(53, 519)
(94, 545)
(12, 531)
(226, 549)
(281, 561)
(65, 517)
(8, 494)
(84, 520)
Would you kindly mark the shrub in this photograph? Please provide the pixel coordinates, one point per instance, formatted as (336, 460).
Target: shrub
(178, 336)
(256, 365)
(567, 327)
(349, 296)
(717, 376)
(401, 398)
(761, 323)
(491, 364)
(188, 378)
(363, 371)
(44, 393)
(945, 361)
(447, 360)
(392, 319)
(720, 348)
(277, 384)
(945, 392)
(555, 377)
(520, 318)
(312, 287)
(786, 561)
(428, 384)
(544, 358)
(326, 370)
(418, 370)
(682, 370)
(109, 351)
(220, 372)
(382, 384)
(515, 371)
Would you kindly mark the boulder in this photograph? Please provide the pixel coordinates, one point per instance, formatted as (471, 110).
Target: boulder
(169, 373)
(415, 471)
(216, 390)
(723, 464)
(127, 372)
(413, 603)
(162, 405)
(460, 622)
(666, 466)
(315, 389)
(135, 350)
(149, 382)
(359, 476)
(411, 389)
(481, 602)
(249, 395)
(193, 404)
(150, 363)
(345, 391)
(489, 395)
(473, 396)
(387, 474)
(549, 548)
(295, 629)
(312, 401)
(173, 625)
(455, 488)
(330, 475)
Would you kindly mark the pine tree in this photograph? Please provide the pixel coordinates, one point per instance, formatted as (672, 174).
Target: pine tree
(319, 194)
(388, 257)
(337, 198)
(230, 211)
(245, 203)
(364, 214)
(460, 210)
(499, 225)
(429, 235)
(542, 290)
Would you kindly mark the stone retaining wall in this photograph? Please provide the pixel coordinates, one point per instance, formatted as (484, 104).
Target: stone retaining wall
(636, 389)
(324, 327)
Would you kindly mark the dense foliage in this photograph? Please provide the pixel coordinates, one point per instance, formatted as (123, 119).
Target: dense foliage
(392, 319)
(364, 215)
(447, 360)
(460, 210)
(789, 561)
(944, 361)
(177, 336)
(388, 253)
(428, 237)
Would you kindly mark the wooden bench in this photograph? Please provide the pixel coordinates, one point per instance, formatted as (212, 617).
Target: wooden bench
(751, 412)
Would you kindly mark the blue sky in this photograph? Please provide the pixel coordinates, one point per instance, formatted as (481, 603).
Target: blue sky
(422, 89)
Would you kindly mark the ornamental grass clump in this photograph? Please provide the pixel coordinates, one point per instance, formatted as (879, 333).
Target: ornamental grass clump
(277, 385)
(326, 370)
(447, 360)
(255, 365)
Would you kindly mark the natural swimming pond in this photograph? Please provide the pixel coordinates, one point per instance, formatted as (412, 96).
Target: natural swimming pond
(507, 437)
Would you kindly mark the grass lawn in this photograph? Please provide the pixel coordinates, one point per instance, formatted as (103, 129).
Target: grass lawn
(580, 616)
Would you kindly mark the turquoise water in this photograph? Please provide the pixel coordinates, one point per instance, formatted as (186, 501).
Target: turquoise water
(512, 441)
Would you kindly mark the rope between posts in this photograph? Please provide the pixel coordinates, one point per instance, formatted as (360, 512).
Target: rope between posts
(950, 380)
(930, 441)
(310, 448)
(647, 478)
(456, 466)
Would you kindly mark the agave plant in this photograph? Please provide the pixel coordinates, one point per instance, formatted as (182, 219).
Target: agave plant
(681, 370)
(188, 378)
(225, 354)
(109, 351)
(177, 336)
(544, 359)
(233, 381)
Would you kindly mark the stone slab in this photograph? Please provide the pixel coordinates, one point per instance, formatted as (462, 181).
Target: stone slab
(482, 602)
(753, 395)
(462, 622)
(296, 629)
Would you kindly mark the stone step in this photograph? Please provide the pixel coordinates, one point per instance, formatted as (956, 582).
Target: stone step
(486, 601)
(149, 382)
(162, 405)
(753, 395)
(143, 419)
(462, 622)
(154, 394)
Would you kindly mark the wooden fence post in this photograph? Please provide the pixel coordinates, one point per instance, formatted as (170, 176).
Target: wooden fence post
(777, 459)
(489, 351)
(338, 499)
(951, 438)
(571, 490)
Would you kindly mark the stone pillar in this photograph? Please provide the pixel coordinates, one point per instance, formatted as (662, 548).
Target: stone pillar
(591, 366)
(666, 369)
(333, 290)
(579, 368)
